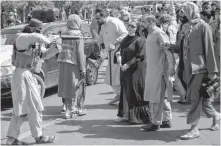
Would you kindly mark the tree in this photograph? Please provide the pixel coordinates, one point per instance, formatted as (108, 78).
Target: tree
(24, 7)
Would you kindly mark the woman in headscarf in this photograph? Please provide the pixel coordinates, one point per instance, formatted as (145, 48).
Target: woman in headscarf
(25, 91)
(199, 64)
(125, 17)
(132, 106)
(72, 67)
(114, 13)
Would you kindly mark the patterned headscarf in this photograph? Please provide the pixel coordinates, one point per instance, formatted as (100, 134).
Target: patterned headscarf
(191, 11)
(74, 22)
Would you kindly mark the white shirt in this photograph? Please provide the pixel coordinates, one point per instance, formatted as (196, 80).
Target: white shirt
(113, 30)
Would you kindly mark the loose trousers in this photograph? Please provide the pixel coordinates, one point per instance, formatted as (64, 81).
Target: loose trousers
(35, 124)
(161, 111)
(178, 86)
(116, 89)
(198, 103)
(77, 102)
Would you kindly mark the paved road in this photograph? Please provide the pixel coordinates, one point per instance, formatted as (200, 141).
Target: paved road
(98, 126)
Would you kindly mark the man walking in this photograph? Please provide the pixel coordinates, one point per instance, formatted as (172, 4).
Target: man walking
(199, 63)
(112, 33)
(159, 68)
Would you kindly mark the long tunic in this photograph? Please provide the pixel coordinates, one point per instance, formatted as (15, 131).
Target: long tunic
(132, 81)
(157, 65)
(25, 91)
(71, 60)
(113, 30)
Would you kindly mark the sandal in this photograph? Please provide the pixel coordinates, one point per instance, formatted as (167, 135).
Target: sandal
(17, 142)
(82, 112)
(190, 135)
(215, 125)
(45, 139)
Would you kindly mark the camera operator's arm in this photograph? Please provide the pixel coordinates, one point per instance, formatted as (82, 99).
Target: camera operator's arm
(53, 47)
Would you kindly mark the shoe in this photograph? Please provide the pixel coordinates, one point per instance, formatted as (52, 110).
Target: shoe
(121, 119)
(44, 139)
(67, 114)
(166, 124)
(13, 141)
(150, 127)
(192, 134)
(215, 125)
(63, 109)
(82, 112)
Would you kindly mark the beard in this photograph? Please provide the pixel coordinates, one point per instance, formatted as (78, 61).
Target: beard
(100, 23)
(184, 19)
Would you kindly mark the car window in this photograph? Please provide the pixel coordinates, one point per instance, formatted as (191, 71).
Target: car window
(136, 11)
(85, 29)
(54, 29)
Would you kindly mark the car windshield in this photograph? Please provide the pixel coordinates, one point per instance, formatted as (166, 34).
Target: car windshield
(136, 11)
(8, 38)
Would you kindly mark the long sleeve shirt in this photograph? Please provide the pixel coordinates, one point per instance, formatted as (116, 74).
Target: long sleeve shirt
(113, 30)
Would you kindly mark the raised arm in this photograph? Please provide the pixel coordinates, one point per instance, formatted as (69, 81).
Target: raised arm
(163, 39)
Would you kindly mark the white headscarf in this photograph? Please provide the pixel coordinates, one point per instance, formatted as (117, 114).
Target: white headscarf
(191, 11)
(74, 22)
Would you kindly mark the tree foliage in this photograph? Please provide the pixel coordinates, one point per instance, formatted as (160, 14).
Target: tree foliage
(10, 5)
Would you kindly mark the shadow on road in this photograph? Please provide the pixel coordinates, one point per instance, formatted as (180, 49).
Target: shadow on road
(101, 106)
(6, 104)
(107, 129)
(51, 91)
(106, 93)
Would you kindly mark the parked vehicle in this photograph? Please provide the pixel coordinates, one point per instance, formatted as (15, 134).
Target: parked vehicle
(48, 77)
(46, 15)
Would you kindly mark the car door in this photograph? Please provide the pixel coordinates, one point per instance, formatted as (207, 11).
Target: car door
(51, 64)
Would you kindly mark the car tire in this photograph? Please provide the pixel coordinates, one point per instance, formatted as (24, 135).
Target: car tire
(91, 73)
(41, 85)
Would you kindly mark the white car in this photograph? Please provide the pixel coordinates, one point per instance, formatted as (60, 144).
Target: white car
(48, 77)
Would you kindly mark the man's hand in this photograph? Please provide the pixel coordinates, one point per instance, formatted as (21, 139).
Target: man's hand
(119, 63)
(111, 47)
(171, 71)
(124, 67)
(211, 76)
(166, 46)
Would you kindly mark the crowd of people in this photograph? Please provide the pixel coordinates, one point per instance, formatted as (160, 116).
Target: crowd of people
(9, 18)
(167, 48)
(175, 46)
